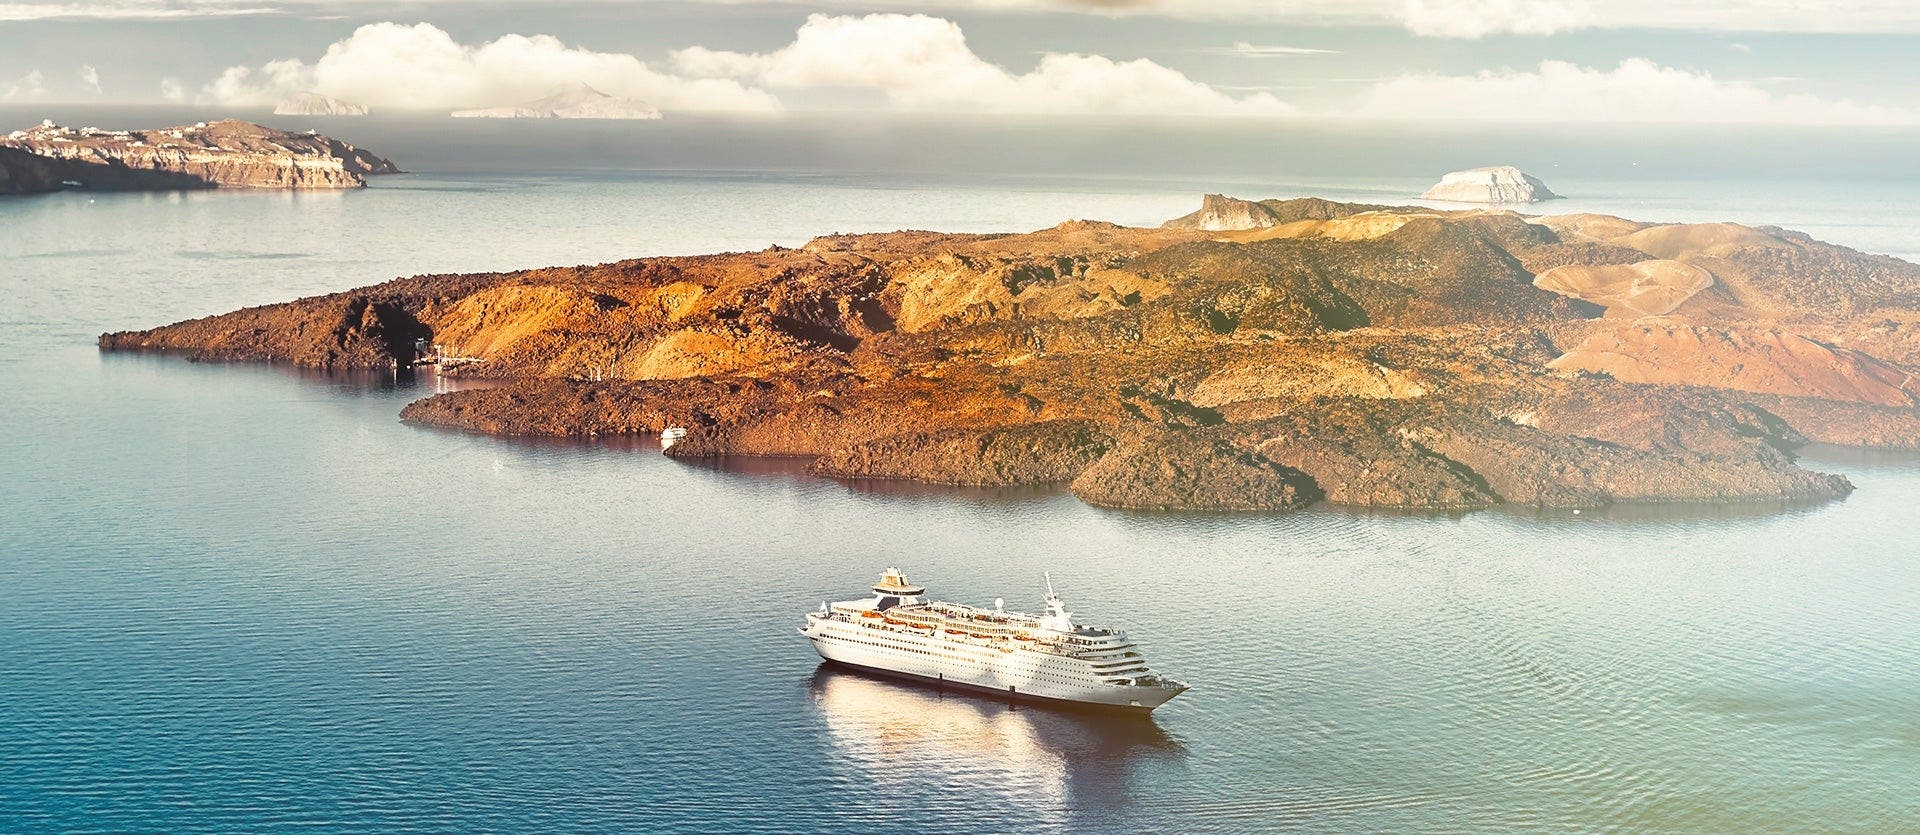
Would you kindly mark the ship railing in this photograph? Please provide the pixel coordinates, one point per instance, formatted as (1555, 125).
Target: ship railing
(1065, 647)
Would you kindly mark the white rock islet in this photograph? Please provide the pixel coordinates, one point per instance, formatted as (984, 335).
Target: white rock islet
(1493, 184)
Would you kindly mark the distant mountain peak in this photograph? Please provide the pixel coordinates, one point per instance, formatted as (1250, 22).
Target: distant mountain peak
(309, 103)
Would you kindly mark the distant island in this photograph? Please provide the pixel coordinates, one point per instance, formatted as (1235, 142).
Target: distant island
(1258, 355)
(224, 154)
(577, 101)
(1495, 184)
(314, 104)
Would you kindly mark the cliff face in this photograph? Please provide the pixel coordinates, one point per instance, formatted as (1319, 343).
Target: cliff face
(1417, 359)
(227, 154)
(1219, 212)
(22, 172)
(25, 173)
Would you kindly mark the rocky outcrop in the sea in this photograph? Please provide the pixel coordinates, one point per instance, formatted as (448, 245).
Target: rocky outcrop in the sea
(1493, 184)
(314, 104)
(226, 154)
(1355, 355)
(576, 101)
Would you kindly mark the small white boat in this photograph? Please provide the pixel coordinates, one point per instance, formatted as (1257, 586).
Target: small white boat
(670, 436)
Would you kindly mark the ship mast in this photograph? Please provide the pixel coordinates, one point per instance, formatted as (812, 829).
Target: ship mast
(1057, 617)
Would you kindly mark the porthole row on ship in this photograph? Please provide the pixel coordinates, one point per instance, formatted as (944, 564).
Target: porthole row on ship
(1098, 663)
(972, 666)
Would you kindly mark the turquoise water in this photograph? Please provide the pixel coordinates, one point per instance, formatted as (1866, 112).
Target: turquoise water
(243, 598)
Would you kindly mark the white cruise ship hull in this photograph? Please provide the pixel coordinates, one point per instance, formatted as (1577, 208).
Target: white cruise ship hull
(976, 666)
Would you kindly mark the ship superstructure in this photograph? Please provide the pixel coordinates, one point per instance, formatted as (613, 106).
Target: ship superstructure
(1045, 657)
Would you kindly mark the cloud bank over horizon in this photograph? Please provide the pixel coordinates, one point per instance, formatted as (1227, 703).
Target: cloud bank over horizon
(917, 63)
(1636, 91)
(924, 64)
(421, 67)
(921, 63)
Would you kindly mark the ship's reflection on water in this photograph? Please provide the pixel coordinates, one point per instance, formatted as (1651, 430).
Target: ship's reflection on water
(899, 734)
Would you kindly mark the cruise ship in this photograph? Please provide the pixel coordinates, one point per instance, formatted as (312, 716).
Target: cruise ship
(1043, 657)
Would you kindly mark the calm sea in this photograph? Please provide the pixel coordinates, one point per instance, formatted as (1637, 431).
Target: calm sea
(243, 598)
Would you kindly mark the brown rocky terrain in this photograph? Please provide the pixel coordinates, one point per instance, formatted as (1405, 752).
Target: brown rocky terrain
(225, 154)
(1359, 355)
(1220, 213)
(1672, 350)
(1645, 288)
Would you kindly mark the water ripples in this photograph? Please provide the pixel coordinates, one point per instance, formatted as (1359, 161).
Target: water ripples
(237, 598)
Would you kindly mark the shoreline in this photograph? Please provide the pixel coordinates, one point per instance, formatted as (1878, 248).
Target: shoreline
(1339, 354)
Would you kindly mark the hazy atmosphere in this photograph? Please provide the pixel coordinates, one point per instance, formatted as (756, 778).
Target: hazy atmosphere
(1469, 61)
(982, 416)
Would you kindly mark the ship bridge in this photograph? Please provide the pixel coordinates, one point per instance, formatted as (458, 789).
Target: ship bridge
(894, 590)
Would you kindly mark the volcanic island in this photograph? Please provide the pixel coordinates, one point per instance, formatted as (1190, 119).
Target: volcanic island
(1254, 355)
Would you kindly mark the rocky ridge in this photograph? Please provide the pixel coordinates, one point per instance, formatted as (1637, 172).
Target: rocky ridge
(1357, 355)
(224, 154)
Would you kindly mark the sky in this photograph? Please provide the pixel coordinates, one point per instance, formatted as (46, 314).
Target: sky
(1761, 62)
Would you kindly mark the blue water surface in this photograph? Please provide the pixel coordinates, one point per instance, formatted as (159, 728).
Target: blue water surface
(248, 599)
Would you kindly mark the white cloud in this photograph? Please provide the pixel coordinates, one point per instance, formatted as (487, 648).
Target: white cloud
(922, 63)
(1638, 90)
(127, 10)
(1248, 50)
(1479, 18)
(917, 63)
(90, 77)
(262, 87)
(33, 85)
(172, 90)
(393, 66)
